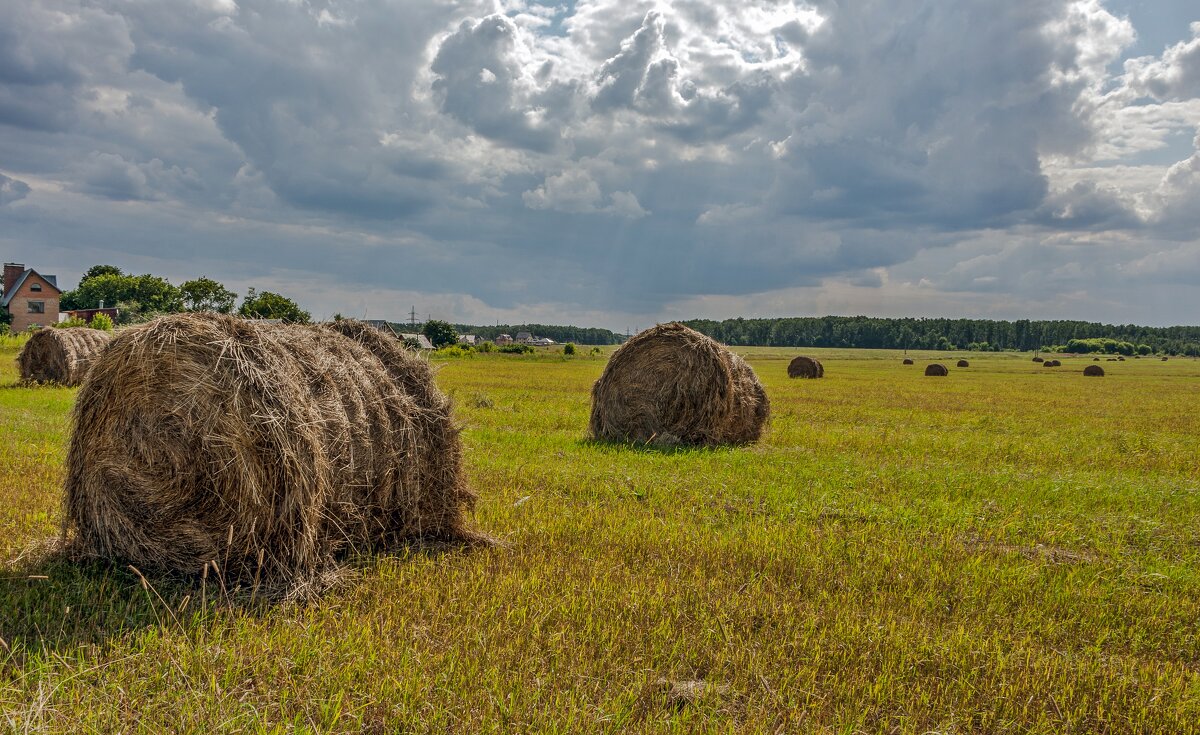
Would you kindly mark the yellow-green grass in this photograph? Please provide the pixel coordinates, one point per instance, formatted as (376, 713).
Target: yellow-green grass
(1010, 548)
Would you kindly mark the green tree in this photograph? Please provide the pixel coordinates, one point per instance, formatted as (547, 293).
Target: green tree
(205, 294)
(569, 348)
(101, 270)
(270, 305)
(440, 333)
(139, 295)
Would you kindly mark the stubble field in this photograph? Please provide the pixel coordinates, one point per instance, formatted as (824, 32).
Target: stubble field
(1010, 548)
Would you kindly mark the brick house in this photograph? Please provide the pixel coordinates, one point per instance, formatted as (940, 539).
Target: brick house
(30, 297)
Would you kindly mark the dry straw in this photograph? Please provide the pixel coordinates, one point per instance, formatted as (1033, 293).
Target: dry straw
(60, 355)
(672, 385)
(937, 369)
(272, 450)
(806, 367)
(1094, 370)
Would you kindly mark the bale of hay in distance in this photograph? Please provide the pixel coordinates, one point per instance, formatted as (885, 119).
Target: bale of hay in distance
(1039, 359)
(1094, 370)
(936, 368)
(672, 385)
(963, 363)
(908, 361)
(806, 367)
(1095, 359)
(60, 355)
(1049, 363)
(1164, 359)
(272, 450)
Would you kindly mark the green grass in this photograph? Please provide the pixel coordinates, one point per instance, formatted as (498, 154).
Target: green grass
(1008, 549)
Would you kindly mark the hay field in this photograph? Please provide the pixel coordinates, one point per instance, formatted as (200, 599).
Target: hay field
(1010, 548)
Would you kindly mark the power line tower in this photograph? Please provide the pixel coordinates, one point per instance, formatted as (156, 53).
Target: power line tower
(412, 318)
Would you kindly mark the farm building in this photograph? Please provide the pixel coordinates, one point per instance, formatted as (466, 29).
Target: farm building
(468, 339)
(30, 297)
(524, 338)
(504, 339)
(87, 314)
(419, 339)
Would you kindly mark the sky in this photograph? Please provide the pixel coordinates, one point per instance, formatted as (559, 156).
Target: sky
(616, 163)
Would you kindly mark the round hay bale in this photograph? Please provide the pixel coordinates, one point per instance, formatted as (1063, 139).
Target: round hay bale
(1039, 359)
(672, 385)
(1049, 363)
(806, 367)
(1164, 359)
(1095, 359)
(1094, 370)
(936, 368)
(963, 363)
(60, 355)
(908, 361)
(1111, 359)
(1120, 359)
(273, 450)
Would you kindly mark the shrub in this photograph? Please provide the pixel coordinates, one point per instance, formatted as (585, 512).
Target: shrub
(485, 347)
(72, 322)
(569, 348)
(102, 322)
(451, 351)
(515, 349)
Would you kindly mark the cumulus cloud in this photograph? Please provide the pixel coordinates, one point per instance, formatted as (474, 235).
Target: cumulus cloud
(637, 155)
(12, 190)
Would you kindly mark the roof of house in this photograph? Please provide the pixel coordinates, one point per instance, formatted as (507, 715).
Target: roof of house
(382, 325)
(421, 340)
(8, 296)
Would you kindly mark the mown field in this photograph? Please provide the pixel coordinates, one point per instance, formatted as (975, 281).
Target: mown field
(1008, 549)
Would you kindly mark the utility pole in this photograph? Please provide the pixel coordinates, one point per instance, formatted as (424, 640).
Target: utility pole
(412, 318)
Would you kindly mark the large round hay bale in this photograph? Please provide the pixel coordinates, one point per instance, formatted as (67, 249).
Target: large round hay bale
(273, 450)
(936, 368)
(806, 367)
(908, 361)
(1049, 364)
(963, 363)
(1039, 359)
(672, 385)
(60, 355)
(1094, 370)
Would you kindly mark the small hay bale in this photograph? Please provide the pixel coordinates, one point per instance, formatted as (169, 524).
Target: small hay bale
(274, 450)
(908, 361)
(1094, 370)
(1095, 359)
(671, 385)
(61, 356)
(1049, 364)
(1164, 359)
(936, 368)
(1111, 359)
(1039, 359)
(963, 363)
(806, 367)
(1120, 359)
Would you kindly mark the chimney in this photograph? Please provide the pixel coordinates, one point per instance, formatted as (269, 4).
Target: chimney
(12, 273)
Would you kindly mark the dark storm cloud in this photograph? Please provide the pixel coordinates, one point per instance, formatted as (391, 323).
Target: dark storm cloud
(608, 157)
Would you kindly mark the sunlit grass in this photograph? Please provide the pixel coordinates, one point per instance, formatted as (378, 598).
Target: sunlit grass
(1008, 549)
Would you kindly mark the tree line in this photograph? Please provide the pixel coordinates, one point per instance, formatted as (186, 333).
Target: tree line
(138, 298)
(951, 334)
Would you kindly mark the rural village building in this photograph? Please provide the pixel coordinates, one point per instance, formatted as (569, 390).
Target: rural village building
(30, 297)
(504, 339)
(524, 338)
(421, 340)
(468, 339)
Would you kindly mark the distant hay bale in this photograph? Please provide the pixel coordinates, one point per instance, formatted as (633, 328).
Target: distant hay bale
(1111, 359)
(1049, 364)
(1056, 363)
(1120, 359)
(806, 367)
(908, 361)
(1094, 370)
(672, 385)
(1164, 359)
(963, 363)
(1095, 359)
(273, 450)
(60, 355)
(936, 368)
(1039, 359)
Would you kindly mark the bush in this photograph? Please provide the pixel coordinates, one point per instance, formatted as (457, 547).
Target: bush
(451, 351)
(515, 349)
(68, 323)
(595, 352)
(485, 347)
(569, 348)
(102, 321)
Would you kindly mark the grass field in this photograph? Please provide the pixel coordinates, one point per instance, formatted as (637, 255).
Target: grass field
(1008, 549)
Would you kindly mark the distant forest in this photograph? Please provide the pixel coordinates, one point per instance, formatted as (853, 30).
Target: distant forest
(947, 334)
